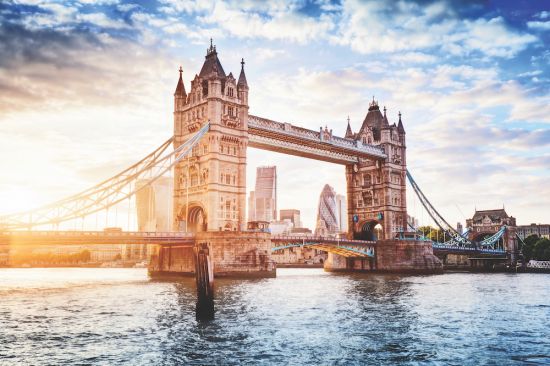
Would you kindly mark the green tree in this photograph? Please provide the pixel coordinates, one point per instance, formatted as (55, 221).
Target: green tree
(541, 250)
(529, 246)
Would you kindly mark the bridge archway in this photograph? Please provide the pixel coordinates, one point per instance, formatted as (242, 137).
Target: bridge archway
(370, 230)
(196, 220)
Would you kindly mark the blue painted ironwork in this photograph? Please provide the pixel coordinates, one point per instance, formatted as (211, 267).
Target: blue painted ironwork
(359, 247)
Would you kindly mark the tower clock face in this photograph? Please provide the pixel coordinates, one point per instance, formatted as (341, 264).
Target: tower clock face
(355, 168)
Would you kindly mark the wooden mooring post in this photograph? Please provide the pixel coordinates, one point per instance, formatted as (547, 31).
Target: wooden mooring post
(204, 274)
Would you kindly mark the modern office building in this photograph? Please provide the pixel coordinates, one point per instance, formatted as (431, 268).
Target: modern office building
(262, 203)
(327, 213)
(154, 213)
(342, 212)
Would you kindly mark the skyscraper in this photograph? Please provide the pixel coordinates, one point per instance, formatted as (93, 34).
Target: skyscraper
(262, 204)
(342, 213)
(327, 213)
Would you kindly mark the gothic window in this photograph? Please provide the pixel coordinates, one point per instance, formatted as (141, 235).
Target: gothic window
(204, 149)
(230, 92)
(234, 150)
(233, 180)
(221, 178)
(366, 180)
(364, 140)
(227, 209)
(370, 140)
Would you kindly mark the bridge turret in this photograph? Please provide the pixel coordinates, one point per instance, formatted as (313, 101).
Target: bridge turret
(210, 187)
(376, 189)
(180, 99)
(242, 85)
(349, 132)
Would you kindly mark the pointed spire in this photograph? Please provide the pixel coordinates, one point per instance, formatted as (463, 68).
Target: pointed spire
(400, 128)
(180, 88)
(386, 122)
(349, 132)
(242, 77)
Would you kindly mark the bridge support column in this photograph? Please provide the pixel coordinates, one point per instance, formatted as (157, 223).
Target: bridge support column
(204, 275)
(407, 256)
(338, 263)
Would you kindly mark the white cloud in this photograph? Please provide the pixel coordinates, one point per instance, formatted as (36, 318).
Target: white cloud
(539, 25)
(102, 20)
(367, 29)
(543, 15)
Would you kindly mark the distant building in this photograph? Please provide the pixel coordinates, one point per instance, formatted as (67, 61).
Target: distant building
(262, 204)
(411, 221)
(282, 227)
(459, 228)
(4, 256)
(327, 213)
(154, 205)
(154, 213)
(541, 230)
(342, 213)
(301, 231)
(292, 215)
(487, 222)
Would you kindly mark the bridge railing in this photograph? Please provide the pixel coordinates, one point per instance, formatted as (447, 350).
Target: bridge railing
(316, 238)
(152, 234)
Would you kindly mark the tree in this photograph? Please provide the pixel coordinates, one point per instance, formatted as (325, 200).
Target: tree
(529, 246)
(541, 250)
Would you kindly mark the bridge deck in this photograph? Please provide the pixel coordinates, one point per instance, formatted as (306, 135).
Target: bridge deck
(94, 237)
(289, 139)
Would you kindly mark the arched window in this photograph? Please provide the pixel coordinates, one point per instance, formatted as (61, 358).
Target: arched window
(364, 140)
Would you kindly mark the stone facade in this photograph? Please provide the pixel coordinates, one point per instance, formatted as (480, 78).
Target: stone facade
(399, 256)
(376, 188)
(485, 223)
(210, 186)
(238, 254)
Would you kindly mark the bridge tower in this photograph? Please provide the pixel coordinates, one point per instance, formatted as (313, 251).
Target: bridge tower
(210, 186)
(376, 188)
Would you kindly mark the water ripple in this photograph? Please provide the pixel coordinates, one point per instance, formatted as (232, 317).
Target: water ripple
(119, 316)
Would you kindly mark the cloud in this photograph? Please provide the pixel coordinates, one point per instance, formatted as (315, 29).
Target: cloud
(539, 25)
(367, 28)
(543, 15)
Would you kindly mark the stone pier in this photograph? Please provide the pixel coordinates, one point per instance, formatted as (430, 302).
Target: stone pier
(397, 256)
(233, 253)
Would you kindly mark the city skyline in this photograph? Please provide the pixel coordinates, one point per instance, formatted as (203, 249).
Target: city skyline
(454, 71)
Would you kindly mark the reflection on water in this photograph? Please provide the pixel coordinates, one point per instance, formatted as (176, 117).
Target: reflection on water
(304, 316)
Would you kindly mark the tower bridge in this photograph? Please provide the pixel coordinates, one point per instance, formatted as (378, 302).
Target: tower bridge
(212, 131)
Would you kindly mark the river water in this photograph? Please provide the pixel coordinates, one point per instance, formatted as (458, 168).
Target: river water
(82, 316)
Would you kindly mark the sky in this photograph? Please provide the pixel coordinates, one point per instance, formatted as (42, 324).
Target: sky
(86, 89)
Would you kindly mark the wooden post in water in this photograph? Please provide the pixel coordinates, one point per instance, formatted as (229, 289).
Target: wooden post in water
(204, 274)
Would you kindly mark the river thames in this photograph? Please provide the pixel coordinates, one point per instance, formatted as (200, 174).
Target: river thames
(82, 316)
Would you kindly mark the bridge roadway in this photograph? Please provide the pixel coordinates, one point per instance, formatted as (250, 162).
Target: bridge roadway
(343, 247)
(94, 238)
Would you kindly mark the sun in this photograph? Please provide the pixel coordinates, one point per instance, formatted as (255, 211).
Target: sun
(15, 199)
